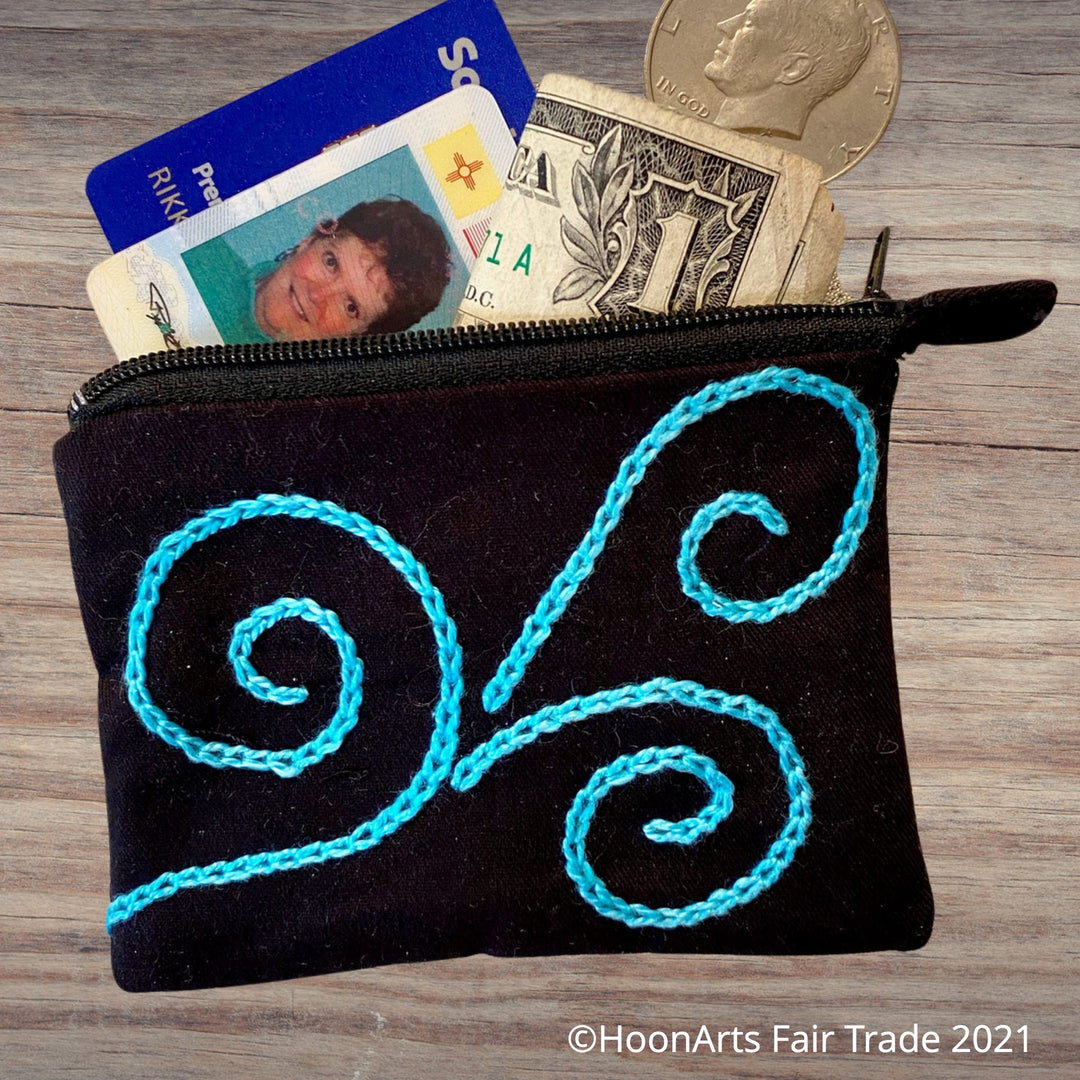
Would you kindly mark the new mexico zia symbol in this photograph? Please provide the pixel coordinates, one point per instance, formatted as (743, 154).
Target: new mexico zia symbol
(441, 762)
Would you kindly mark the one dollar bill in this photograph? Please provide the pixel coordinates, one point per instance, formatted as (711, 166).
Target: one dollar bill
(616, 206)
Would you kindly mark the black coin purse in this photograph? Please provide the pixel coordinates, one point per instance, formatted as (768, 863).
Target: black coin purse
(549, 638)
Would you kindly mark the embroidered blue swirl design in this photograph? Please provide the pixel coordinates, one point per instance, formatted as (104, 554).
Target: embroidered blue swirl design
(247, 631)
(441, 749)
(537, 628)
(691, 409)
(470, 769)
(695, 586)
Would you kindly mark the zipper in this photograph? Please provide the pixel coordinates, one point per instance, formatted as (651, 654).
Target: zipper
(508, 352)
(446, 341)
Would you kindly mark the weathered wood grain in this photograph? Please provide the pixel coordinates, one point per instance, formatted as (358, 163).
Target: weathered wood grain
(977, 176)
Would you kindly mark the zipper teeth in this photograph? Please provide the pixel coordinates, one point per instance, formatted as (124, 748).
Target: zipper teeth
(442, 339)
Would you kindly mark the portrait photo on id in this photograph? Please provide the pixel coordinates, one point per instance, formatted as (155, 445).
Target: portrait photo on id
(332, 263)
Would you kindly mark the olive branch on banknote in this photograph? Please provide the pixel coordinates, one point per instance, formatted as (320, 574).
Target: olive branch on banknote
(602, 197)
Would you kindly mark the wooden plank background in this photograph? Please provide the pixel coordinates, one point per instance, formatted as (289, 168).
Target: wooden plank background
(978, 176)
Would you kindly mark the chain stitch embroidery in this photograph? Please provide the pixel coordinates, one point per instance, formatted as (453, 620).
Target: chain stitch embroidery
(470, 769)
(441, 749)
(537, 628)
(706, 401)
(751, 503)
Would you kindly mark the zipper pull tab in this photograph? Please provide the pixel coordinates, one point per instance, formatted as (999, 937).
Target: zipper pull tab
(876, 276)
(981, 313)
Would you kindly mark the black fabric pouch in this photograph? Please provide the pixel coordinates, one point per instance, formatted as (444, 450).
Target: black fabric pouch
(531, 640)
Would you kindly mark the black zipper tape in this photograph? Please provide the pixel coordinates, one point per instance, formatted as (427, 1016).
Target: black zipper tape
(508, 352)
(465, 356)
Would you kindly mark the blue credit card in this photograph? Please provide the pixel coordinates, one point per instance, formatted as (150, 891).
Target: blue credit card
(182, 172)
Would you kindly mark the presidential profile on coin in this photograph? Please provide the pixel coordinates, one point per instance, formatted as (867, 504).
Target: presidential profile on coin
(819, 78)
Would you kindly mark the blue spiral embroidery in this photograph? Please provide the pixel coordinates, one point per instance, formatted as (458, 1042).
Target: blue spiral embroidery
(548, 720)
(694, 585)
(438, 760)
(441, 749)
(715, 396)
(247, 631)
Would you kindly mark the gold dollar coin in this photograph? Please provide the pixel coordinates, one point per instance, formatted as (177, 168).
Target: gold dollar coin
(817, 77)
